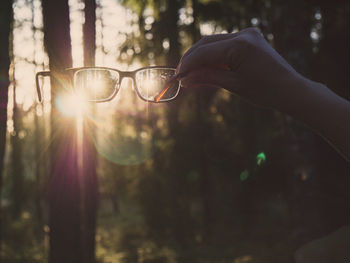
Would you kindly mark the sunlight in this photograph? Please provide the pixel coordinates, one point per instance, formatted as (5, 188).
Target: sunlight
(97, 89)
(76, 16)
(72, 104)
(150, 85)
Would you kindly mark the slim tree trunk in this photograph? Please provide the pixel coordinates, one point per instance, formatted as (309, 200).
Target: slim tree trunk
(194, 29)
(38, 133)
(16, 158)
(64, 190)
(6, 14)
(89, 33)
(173, 56)
(202, 100)
(89, 177)
(174, 53)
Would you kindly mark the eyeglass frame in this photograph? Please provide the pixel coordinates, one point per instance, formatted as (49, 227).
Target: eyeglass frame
(122, 74)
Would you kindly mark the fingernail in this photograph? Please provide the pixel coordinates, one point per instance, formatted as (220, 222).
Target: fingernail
(186, 82)
(183, 82)
(177, 68)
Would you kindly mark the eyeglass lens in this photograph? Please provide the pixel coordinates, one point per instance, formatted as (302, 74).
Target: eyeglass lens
(96, 84)
(152, 84)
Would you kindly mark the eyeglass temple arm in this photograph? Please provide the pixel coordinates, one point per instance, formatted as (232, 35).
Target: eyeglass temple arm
(168, 85)
(44, 74)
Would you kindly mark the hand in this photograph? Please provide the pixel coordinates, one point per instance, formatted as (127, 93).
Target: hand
(243, 63)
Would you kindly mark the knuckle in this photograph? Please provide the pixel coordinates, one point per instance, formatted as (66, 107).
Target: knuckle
(250, 38)
(205, 39)
(252, 34)
(209, 38)
(253, 31)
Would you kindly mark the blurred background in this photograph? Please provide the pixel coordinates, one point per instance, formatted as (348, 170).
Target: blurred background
(205, 178)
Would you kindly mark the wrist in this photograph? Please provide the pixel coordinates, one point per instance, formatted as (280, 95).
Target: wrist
(304, 97)
(324, 111)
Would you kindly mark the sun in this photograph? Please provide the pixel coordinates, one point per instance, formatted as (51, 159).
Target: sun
(73, 104)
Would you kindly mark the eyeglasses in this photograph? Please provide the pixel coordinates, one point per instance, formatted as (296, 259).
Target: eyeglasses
(101, 84)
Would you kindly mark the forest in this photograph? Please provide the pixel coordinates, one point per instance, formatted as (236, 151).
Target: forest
(207, 177)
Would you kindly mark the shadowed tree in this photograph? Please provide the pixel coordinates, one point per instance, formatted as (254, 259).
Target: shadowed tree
(332, 56)
(89, 176)
(40, 163)
(16, 157)
(64, 190)
(6, 14)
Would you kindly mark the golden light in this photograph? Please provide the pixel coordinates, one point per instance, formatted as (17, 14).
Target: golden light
(73, 104)
(97, 89)
(150, 88)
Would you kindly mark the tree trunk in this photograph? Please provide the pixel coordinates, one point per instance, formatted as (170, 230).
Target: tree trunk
(6, 15)
(89, 33)
(64, 190)
(89, 176)
(38, 135)
(174, 53)
(16, 158)
(333, 58)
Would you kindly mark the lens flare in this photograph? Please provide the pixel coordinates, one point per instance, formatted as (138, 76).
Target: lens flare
(72, 104)
(260, 158)
(124, 130)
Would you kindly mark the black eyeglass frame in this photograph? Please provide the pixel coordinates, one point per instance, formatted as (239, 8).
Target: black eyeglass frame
(122, 74)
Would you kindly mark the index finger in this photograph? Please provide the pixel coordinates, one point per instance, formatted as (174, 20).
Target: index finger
(213, 38)
(210, 39)
(226, 53)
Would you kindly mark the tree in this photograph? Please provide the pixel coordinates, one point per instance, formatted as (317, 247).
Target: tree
(5, 32)
(40, 163)
(331, 55)
(89, 176)
(17, 158)
(64, 190)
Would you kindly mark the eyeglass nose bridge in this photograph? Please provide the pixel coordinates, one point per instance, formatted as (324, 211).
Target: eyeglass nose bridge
(127, 74)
